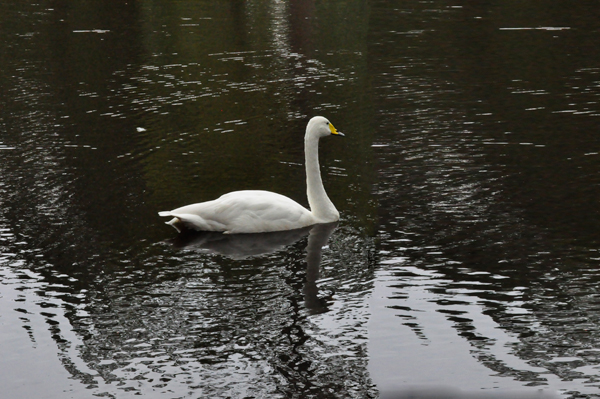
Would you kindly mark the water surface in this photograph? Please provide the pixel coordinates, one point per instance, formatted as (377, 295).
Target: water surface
(466, 259)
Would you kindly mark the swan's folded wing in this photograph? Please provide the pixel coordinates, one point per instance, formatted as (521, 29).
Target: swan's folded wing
(255, 211)
(250, 211)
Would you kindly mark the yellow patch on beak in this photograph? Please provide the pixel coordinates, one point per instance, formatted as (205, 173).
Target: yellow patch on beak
(333, 130)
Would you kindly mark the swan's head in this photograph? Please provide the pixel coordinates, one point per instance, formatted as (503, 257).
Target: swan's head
(321, 127)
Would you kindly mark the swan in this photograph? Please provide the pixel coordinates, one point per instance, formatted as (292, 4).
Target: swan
(257, 211)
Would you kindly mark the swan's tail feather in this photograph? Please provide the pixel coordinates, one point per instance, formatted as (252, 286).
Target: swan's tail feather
(175, 222)
(183, 221)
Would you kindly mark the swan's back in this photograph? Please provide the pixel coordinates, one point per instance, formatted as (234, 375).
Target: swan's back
(248, 211)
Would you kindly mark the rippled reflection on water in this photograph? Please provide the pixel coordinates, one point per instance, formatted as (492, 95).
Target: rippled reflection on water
(468, 261)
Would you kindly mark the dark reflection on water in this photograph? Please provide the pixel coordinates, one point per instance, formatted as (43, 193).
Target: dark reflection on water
(472, 265)
(240, 246)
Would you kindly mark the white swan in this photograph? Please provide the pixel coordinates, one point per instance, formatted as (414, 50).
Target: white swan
(256, 211)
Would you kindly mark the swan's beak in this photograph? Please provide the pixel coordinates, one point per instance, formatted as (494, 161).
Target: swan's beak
(334, 131)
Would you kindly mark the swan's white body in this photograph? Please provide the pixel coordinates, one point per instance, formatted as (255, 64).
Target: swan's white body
(256, 211)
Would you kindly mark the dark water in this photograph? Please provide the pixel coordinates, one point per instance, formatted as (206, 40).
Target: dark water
(466, 261)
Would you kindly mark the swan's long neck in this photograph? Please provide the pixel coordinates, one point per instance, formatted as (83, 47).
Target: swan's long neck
(320, 204)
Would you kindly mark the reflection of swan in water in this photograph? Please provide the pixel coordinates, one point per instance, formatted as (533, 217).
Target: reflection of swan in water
(239, 246)
(317, 239)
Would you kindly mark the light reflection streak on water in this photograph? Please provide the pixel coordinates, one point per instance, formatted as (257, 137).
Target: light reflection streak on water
(38, 327)
(446, 320)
